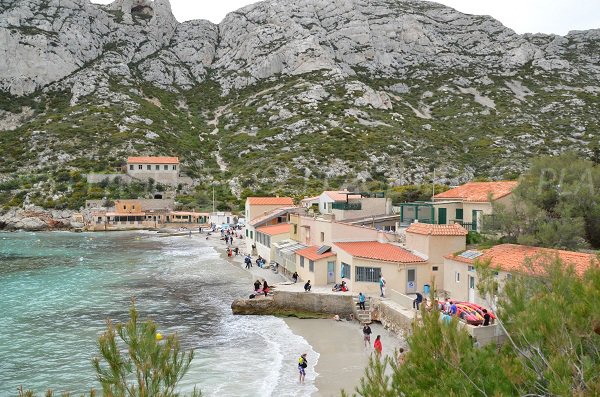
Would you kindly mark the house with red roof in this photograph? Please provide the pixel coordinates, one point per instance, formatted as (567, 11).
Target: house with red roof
(265, 211)
(433, 242)
(362, 262)
(343, 205)
(161, 169)
(460, 277)
(466, 205)
(267, 236)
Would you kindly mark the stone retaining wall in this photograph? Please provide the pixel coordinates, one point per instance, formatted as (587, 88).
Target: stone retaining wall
(285, 302)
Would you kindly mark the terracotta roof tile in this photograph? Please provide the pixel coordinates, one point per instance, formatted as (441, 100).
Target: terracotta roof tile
(311, 253)
(270, 200)
(437, 230)
(379, 251)
(479, 191)
(511, 258)
(153, 160)
(273, 230)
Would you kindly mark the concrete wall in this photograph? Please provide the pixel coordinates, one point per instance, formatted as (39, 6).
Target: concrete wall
(97, 178)
(302, 302)
(369, 207)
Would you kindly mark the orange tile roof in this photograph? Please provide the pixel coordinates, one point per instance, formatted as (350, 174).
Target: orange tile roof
(379, 251)
(270, 200)
(437, 230)
(311, 253)
(479, 191)
(340, 195)
(512, 257)
(273, 230)
(153, 160)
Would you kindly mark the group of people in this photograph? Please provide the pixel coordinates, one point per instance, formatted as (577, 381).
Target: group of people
(367, 338)
(340, 287)
(265, 287)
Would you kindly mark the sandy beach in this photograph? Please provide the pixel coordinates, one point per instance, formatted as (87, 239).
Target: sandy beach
(343, 356)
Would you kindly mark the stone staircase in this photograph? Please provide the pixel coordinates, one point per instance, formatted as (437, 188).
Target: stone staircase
(363, 316)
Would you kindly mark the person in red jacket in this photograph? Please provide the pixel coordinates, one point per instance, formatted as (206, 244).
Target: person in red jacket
(377, 345)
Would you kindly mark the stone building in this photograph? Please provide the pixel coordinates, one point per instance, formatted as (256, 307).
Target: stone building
(163, 170)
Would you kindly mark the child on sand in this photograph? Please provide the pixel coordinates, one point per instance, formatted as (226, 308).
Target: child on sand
(377, 345)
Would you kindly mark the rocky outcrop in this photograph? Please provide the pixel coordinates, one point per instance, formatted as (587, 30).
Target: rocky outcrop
(343, 91)
(37, 219)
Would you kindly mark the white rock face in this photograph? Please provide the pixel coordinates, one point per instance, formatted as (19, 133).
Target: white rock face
(42, 42)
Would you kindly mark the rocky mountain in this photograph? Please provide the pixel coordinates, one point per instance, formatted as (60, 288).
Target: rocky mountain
(289, 95)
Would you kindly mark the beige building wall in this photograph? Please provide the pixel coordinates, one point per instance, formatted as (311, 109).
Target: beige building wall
(269, 252)
(254, 211)
(459, 290)
(370, 206)
(435, 248)
(319, 276)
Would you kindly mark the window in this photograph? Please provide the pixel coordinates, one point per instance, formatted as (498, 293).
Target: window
(140, 167)
(174, 167)
(434, 268)
(301, 261)
(133, 207)
(459, 213)
(246, 232)
(457, 277)
(149, 167)
(251, 234)
(509, 276)
(471, 268)
(130, 167)
(311, 266)
(368, 274)
(165, 167)
(157, 167)
(345, 270)
(124, 207)
(295, 229)
(322, 236)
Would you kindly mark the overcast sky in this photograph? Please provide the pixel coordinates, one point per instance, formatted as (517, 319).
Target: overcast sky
(523, 16)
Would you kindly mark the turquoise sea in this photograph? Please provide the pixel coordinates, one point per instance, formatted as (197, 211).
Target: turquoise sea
(58, 289)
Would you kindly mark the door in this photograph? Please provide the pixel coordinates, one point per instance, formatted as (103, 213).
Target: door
(477, 220)
(441, 216)
(471, 289)
(411, 280)
(330, 272)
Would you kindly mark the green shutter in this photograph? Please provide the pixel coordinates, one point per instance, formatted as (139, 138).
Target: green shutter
(459, 213)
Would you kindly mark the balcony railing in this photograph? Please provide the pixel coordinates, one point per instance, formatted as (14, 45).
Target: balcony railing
(467, 225)
(347, 206)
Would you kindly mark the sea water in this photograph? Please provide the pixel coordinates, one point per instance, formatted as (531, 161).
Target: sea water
(58, 289)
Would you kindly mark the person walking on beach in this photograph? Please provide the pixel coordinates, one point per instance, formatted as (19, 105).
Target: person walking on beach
(382, 285)
(361, 301)
(302, 364)
(377, 345)
(367, 335)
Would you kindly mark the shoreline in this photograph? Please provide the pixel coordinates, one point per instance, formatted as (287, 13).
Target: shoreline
(340, 365)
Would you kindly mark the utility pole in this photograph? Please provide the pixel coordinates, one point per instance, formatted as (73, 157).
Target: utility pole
(433, 185)
(213, 198)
